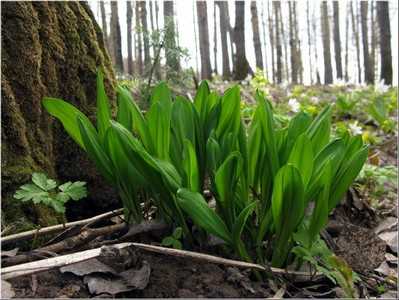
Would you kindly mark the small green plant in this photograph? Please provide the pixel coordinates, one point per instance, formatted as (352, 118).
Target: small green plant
(262, 175)
(44, 190)
(174, 239)
(345, 104)
(379, 110)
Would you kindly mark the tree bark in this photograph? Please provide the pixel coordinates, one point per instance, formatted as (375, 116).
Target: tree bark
(326, 43)
(195, 21)
(385, 41)
(241, 66)
(206, 70)
(262, 16)
(139, 45)
(368, 72)
(256, 37)
(373, 25)
(116, 37)
(337, 40)
(294, 67)
(298, 46)
(279, 54)
(224, 25)
(215, 44)
(145, 32)
(318, 81)
(346, 44)
(129, 18)
(48, 49)
(356, 38)
(284, 38)
(172, 60)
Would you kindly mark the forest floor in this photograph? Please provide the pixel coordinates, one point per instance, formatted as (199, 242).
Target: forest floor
(362, 229)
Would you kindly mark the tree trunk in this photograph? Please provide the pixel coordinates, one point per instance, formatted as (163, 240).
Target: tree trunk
(195, 21)
(356, 38)
(139, 45)
(318, 81)
(279, 53)
(256, 37)
(346, 44)
(262, 16)
(285, 44)
(368, 73)
(385, 41)
(206, 71)
(309, 42)
(146, 42)
(48, 49)
(337, 40)
(172, 60)
(326, 43)
(116, 38)
(215, 44)
(373, 25)
(224, 25)
(294, 67)
(129, 18)
(271, 36)
(104, 24)
(241, 66)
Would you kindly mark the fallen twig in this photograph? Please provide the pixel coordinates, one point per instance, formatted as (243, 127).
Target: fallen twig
(59, 261)
(56, 228)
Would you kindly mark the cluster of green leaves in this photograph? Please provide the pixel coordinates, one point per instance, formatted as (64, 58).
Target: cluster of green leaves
(262, 176)
(44, 190)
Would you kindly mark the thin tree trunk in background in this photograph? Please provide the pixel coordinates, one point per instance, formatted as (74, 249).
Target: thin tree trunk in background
(346, 43)
(284, 39)
(298, 46)
(373, 25)
(271, 36)
(116, 37)
(356, 38)
(172, 61)
(139, 48)
(177, 32)
(325, 29)
(337, 40)
(256, 37)
(129, 17)
(231, 35)
(195, 20)
(157, 14)
(146, 42)
(241, 66)
(206, 69)
(279, 53)
(385, 41)
(309, 42)
(104, 25)
(294, 69)
(224, 24)
(262, 16)
(215, 70)
(318, 81)
(368, 73)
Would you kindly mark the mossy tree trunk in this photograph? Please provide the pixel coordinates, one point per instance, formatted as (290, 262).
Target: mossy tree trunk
(48, 49)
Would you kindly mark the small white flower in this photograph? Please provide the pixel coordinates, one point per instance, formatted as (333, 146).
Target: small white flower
(294, 105)
(381, 87)
(314, 100)
(355, 129)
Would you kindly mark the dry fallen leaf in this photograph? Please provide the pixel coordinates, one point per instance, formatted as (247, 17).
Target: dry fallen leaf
(7, 291)
(9, 253)
(388, 224)
(88, 267)
(391, 238)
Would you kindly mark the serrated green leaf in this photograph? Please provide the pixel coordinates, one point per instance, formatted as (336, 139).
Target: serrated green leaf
(41, 180)
(31, 192)
(76, 190)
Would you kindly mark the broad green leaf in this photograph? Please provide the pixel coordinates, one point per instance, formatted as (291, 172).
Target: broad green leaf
(68, 115)
(190, 166)
(75, 190)
(94, 149)
(302, 157)
(57, 206)
(201, 98)
(319, 130)
(349, 174)
(203, 216)
(41, 180)
(103, 109)
(239, 224)
(229, 120)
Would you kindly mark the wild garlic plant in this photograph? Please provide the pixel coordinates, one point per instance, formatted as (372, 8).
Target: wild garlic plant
(261, 175)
